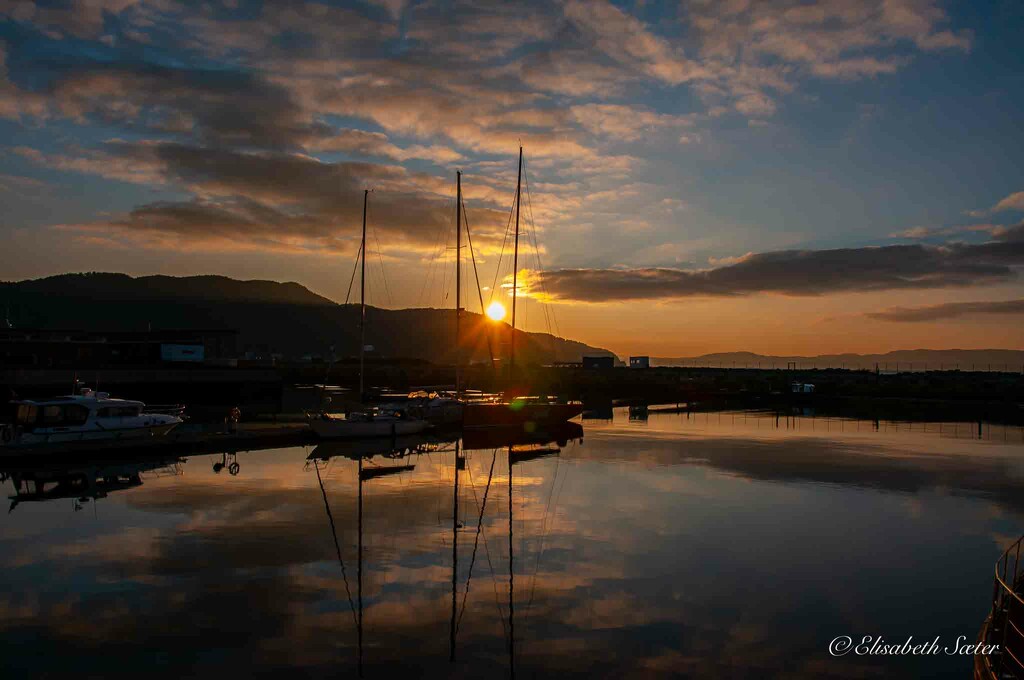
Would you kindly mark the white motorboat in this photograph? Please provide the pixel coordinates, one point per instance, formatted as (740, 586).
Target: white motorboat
(90, 416)
(365, 425)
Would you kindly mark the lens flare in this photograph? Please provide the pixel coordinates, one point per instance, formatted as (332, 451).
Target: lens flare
(496, 311)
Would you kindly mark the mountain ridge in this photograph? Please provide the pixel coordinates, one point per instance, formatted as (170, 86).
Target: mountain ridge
(270, 317)
(938, 358)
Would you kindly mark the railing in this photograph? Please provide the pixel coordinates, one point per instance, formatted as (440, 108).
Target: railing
(1005, 624)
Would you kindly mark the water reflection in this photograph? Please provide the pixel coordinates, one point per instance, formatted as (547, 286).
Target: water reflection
(717, 546)
(81, 483)
(519, 447)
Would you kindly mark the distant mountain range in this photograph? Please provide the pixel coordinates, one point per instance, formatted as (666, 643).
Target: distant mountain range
(964, 359)
(270, 317)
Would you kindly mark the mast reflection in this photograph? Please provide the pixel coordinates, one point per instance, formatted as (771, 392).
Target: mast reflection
(519, 446)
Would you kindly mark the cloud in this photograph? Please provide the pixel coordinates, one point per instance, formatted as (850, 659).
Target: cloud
(77, 18)
(482, 31)
(754, 46)
(797, 273)
(626, 39)
(913, 232)
(20, 184)
(625, 123)
(226, 224)
(572, 72)
(278, 89)
(204, 104)
(377, 144)
(1011, 202)
(15, 103)
(918, 233)
(474, 76)
(268, 200)
(951, 310)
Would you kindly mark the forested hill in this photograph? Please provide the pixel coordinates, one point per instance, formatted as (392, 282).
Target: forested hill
(286, 318)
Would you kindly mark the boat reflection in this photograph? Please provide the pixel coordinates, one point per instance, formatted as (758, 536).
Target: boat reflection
(82, 482)
(395, 447)
(495, 438)
(520, 447)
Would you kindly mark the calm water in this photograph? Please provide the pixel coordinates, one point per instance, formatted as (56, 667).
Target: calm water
(711, 545)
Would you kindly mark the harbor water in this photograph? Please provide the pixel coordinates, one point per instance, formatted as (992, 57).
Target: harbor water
(730, 544)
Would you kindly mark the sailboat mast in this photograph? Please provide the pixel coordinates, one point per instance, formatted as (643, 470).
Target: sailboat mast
(515, 264)
(362, 301)
(458, 280)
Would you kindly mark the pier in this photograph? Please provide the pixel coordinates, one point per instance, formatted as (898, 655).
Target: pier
(1005, 624)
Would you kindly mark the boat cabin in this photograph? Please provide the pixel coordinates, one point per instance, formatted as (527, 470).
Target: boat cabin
(72, 411)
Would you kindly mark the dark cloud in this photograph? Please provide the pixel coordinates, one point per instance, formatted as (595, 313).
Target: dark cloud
(801, 272)
(278, 200)
(222, 106)
(950, 310)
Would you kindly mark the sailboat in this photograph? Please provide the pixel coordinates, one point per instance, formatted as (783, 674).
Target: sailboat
(520, 411)
(372, 422)
(446, 409)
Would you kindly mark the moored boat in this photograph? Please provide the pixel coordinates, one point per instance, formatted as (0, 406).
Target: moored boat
(89, 417)
(520, 411)
(374, 422)
(366, 425)
(435, 408)
(527, 412)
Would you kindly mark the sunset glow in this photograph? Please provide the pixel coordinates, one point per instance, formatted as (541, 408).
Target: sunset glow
(767, 176)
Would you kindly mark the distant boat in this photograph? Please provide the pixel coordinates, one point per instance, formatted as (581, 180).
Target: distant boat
(374, 422)
(86, 418)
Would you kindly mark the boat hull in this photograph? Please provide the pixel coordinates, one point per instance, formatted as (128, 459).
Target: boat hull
(497, 437)
(337, 428)
(523, 415)
(86, 438)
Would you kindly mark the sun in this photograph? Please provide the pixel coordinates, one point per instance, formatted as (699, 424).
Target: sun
(496, 311)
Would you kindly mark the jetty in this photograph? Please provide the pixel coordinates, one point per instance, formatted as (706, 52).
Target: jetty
(1003, 630)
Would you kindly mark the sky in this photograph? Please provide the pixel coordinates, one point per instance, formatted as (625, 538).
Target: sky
(781, 177)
